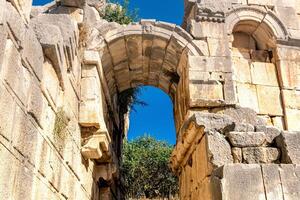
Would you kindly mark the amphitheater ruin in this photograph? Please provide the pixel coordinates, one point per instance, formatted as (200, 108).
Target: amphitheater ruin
(232, 71)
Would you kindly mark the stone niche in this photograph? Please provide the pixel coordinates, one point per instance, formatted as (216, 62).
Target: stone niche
(255, 72)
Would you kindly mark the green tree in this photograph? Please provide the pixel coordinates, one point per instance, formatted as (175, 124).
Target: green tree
(120, 13)
(145, 169)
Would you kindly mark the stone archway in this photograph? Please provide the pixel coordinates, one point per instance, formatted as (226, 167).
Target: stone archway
(62, 68)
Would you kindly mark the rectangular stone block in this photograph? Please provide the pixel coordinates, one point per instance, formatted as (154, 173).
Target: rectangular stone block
(288, 73)
(209, 64)
(247, 96)
(272, 182)
(23, 7)
(205, 29)
(7, 108)
(269, 100)
(16, 24)
(241, 70)
(89, 89)
(50, 81)
(288, 143)
(3, 38)
(89, 114)
(12, 71)
(218, 47)
(260, 155)
(292, 117)
(264, 74)
(240, 181)
(26, 136)
(290, 182)
(291, 99)
(206, 93)
(33, 53)
(35, 102)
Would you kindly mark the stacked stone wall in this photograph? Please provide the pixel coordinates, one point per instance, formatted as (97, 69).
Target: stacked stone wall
(40, 138)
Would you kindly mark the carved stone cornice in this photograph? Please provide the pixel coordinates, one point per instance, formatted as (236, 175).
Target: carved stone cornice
(209, 14)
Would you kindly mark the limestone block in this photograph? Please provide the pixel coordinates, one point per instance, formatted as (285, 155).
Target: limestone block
(52, 43)
(218, 47)
(35, 102)
(213, 122)
(95, 146)
(246, 139)
(288, 16)
(3, 38)
(89, 114)
(291, 99)
(237, 155)
(292, 119)
(204, 29)
(288, 142)
(270, 132)
(219, 151)
(290, 181)
(264, 74)
(89, 89)
(244, 176)
(241, 70)
(288, 71)
(260, 154)
(33, 53)
(10, 163)
(16, 24)
(68, 29)
(202, 45)
(272, 181)
(7, 107)
(243, 127)
(278, 122)
(134, 49)
(243, 115)
(265, 95)
(75, 13)
(209, 64)
(50, 81)
(23, 7)
(118, 51)
(73, 3)
(26, 136)
(247, 96)
(206, 94)
(24, 182)
(12, 71)
(2, 12)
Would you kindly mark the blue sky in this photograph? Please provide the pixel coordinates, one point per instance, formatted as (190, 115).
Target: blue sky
(156, 118)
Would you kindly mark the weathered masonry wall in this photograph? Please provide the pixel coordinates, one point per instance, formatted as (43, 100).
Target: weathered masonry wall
(40, 138)
(232, 71)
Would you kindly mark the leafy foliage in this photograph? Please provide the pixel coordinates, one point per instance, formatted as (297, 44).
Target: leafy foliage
(128, 98)
(120, 13)
(145, 169)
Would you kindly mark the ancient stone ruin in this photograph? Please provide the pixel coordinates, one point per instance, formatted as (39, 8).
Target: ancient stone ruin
(232, 71)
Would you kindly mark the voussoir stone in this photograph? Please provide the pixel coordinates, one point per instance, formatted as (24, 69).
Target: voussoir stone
(246, 139)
